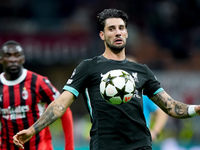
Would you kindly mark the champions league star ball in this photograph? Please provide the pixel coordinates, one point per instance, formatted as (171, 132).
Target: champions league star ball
(117, 87)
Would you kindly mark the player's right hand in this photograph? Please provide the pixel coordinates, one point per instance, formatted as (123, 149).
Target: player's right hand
(22, 137)
(197, 109)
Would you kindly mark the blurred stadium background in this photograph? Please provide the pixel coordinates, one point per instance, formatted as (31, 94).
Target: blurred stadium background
(164, 34)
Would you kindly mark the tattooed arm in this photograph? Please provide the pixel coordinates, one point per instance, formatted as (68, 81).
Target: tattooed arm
(54, 111)
(173, 108)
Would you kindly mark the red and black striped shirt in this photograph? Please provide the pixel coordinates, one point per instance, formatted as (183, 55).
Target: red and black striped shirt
(22, 102)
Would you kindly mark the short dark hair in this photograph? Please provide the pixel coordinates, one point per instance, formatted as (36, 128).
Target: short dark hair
(111, 13)
(11, 42)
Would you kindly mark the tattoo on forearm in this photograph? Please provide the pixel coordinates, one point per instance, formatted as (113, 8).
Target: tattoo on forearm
(179, 109)
(170, 106)
(49, 116)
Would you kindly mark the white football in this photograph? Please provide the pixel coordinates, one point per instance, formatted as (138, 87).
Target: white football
(117, 86)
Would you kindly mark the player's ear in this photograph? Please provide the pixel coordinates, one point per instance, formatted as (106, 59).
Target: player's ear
(126, 33)
(101, 34)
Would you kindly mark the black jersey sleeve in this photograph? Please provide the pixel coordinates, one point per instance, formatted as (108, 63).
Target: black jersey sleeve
(152, 84)
(78, 79)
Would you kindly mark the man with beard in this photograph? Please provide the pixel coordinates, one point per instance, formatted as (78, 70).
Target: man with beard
(114, 127)
(23, 98)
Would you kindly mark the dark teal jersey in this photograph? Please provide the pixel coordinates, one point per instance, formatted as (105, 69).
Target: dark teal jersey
(114, 127)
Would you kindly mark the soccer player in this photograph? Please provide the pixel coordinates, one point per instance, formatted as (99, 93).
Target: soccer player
(23, 98)
(114, 127)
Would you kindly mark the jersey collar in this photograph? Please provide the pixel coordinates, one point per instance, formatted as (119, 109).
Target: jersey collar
(111, 60)
(13, 82)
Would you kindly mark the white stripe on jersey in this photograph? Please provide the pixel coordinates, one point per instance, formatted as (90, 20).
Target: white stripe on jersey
(88, 101)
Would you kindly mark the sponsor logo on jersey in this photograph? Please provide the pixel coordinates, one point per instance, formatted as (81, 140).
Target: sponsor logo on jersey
(13, 113)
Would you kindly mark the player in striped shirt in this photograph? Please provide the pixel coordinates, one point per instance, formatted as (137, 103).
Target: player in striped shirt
(24, 95)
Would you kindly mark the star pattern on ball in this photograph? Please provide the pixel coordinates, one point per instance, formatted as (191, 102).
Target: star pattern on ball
(108, 80)
(121, 92)
(126, 76)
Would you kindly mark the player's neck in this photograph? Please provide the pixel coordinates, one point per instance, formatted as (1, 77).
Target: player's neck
(108, 54)
(13, 76)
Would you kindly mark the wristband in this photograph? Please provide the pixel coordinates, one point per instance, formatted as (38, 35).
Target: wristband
(191, 110)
